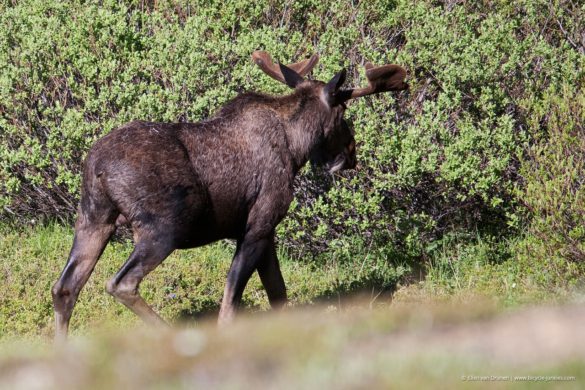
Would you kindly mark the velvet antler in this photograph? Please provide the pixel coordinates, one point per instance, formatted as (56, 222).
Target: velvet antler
(380, 79)
(264, 61)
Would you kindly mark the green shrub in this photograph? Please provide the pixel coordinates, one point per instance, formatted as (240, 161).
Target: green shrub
(444, 158)
(554, 188)
(440, 158)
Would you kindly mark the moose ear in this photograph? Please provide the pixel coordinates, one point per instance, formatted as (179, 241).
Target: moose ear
(332, 88)
(291, 78)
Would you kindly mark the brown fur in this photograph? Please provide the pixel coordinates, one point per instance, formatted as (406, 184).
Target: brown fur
(183, 185)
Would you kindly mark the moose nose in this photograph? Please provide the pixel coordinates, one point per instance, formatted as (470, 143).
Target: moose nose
(350, 162)
(350, 156)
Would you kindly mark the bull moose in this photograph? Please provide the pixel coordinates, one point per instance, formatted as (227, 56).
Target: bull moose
(184, 185)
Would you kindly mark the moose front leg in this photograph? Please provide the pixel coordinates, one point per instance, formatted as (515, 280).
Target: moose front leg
(248, 255)
(271, 277)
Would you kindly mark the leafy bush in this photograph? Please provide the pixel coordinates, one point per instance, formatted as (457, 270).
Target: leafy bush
(554, 190)
(440, 158)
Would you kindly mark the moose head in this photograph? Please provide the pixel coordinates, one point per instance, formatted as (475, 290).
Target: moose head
(336, 150)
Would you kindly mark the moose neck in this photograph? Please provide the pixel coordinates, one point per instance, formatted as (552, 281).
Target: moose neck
(304, 129)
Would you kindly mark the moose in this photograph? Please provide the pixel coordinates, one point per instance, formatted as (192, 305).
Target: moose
(184, 185)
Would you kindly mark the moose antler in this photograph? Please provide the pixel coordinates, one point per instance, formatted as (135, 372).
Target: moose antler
(264, 61)
(380, 79)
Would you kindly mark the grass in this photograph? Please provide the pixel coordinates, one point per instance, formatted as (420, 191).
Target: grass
(186, 287)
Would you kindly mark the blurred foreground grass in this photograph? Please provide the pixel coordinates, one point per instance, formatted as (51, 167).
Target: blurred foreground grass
(404, 346)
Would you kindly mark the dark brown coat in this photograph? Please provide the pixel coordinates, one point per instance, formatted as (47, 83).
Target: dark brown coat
(183, 185)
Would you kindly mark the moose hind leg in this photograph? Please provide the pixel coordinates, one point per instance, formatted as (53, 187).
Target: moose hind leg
(147, 255)
(88, 244)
